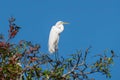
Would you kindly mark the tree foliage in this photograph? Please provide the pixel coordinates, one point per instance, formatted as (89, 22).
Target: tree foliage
(25, 61)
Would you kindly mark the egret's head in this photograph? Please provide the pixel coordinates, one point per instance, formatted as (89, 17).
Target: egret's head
(61, 23)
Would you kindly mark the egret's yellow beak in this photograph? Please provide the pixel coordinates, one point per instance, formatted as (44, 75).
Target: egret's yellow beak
(65, 23)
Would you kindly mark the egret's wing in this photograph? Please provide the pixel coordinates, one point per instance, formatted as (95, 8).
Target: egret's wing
(53, 40)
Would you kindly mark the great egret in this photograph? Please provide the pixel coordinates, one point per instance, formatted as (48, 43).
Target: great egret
(54, 36)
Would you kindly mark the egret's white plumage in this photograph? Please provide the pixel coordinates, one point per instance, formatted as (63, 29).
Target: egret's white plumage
(54, 36)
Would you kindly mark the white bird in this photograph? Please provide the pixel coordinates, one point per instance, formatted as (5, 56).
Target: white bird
(54, 36)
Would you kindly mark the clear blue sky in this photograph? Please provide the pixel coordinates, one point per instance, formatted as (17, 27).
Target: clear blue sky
(92, 22)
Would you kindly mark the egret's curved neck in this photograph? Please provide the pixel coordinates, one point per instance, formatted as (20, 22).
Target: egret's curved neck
(60, 28)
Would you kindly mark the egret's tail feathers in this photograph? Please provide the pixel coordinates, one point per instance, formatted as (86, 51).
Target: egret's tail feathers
(51, 50)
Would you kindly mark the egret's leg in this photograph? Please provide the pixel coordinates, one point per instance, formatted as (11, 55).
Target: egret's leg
(56, 52)
(57, 55)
